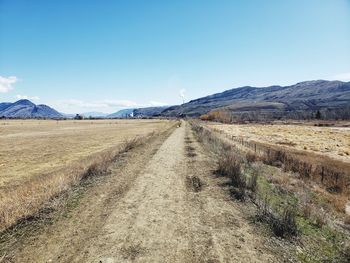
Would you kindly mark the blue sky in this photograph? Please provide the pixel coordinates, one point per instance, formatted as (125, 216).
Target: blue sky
(80, 56)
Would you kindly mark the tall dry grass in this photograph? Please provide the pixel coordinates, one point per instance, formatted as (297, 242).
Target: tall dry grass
(22, 201)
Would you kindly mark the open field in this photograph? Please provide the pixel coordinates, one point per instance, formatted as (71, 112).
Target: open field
(333, 142)
(41, 159)
(29, 148)
(184, 194)
(159, 203)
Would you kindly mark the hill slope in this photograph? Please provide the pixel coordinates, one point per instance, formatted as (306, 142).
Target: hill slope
(125, 113)
(308, 95)
(27, 109)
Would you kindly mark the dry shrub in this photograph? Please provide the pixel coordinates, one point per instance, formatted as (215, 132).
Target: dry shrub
(211, 141)
(333, 174)
(251, 157)
(315, 214)
(230, 166)
(282, 225)
(217, 115)
(131, 143)
(338, 201)
(274, 157)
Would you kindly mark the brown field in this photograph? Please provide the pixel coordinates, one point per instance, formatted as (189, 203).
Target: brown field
(42, 158)
(34, 147)
(333, 142)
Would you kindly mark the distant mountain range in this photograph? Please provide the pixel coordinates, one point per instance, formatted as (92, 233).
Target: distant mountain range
(308, 95)
(303, 96)
(94, 114)
(126, 113)
(27, 109)
(138, 113)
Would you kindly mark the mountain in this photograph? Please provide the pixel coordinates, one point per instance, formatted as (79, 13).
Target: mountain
(308, 95)
(138, 113)
(27, 109)
(121, 114)
(4, 105)
(149, 111)
(94, 114)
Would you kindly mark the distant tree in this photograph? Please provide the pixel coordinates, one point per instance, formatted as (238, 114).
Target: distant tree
(318, 115)
(78, 117)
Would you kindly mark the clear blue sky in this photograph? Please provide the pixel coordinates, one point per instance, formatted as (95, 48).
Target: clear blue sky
(86, 55)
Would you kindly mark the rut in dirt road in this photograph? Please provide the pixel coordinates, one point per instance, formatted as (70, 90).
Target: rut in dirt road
(173, 211)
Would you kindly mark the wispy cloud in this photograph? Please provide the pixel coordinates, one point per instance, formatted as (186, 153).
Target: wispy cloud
(6, 83)
(73, 105)
(342, 76)
(100, 104)
(25, 97)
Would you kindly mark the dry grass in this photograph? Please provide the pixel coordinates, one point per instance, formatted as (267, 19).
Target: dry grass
(330, 141)
(29, 148)
(332, 174)
(19, 200)
(290, 206)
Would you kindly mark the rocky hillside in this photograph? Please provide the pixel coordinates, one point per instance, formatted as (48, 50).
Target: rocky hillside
(27, 109)
(308, 95)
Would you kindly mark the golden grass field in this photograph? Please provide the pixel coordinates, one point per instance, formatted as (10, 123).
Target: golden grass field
(333, 142)
(34, 147)
(39, 159)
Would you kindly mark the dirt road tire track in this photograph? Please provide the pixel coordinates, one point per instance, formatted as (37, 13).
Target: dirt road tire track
(163, 208)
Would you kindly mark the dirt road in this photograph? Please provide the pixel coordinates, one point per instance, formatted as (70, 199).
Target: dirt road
(161, 204)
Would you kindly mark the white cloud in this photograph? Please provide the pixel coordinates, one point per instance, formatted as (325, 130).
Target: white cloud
(25, 97)
(342, 76)
(6, 83)
(108, 106)
(122, 103)
(100, 104)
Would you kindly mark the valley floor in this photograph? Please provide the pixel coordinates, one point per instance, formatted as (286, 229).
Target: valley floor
(161, 203)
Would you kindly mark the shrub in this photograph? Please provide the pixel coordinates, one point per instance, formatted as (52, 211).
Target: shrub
(286, 224)
(230, 166)
(130, 144)
(282, 225)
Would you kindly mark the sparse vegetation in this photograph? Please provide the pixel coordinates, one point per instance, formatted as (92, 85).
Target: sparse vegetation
(290, 208)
